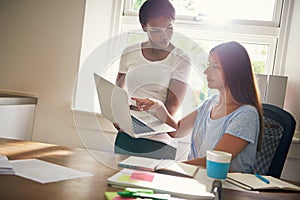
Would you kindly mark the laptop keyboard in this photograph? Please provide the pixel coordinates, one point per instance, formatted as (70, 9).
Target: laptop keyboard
(140, 127)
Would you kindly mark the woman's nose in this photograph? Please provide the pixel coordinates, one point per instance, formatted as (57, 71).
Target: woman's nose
(164, 34)
(206, 70)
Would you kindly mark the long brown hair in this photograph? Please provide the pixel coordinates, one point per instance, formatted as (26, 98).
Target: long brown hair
(239, 77)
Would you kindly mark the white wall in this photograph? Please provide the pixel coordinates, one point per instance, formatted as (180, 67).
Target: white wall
(292, 70)
(292, 66)
(39, 53)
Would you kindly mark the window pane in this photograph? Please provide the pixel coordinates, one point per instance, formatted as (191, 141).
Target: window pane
(262, 10)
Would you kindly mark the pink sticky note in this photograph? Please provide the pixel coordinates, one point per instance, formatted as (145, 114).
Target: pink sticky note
(123, 198)
(142, 176)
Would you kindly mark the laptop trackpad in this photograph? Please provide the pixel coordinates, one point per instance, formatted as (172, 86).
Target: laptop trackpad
(152, 121)
(146, 117)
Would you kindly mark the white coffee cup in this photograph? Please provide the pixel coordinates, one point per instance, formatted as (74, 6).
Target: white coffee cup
(217, 164)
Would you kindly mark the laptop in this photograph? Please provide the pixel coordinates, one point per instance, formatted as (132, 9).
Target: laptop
(115, 107)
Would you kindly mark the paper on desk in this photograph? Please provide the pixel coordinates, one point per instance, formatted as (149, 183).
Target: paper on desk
(203, 178)
(5, 165)
(230, 186)
(45, 172)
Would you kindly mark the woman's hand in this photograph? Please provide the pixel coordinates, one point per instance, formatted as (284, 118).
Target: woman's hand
(117, 127)
(147, 104)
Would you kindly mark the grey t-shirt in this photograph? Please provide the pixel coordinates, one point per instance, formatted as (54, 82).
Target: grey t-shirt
(242, 123)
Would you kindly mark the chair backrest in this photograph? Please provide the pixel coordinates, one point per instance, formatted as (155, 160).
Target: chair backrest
(279, 128)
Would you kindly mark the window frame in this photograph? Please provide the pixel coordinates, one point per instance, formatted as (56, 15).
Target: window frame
(190, 19)
(274, 33)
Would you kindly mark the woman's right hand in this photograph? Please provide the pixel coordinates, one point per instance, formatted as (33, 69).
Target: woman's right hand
(146, 104)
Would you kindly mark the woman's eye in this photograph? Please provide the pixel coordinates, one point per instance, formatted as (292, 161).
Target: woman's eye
(213, 65)
(169, 29)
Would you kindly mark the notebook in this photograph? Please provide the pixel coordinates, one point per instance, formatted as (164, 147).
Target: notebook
(115, 107)
(180, 187)
(163, 166)
(251, 182)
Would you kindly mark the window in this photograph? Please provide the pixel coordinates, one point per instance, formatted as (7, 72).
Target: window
(254, 23)
(229, 9)
(258, 25)
(202, 24)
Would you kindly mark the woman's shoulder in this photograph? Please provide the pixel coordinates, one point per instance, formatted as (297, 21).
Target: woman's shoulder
(246, 112)
(181, 53)
(247, 108)
(132, 48)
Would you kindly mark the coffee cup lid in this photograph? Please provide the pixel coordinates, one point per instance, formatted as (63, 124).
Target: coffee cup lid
(218, 156)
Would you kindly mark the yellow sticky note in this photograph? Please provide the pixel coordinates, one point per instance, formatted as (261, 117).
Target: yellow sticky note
(125, 178)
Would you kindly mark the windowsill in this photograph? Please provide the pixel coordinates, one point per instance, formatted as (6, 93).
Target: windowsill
(92, 121)
(16, 98)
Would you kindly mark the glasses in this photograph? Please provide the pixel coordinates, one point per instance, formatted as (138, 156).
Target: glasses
(157, 31)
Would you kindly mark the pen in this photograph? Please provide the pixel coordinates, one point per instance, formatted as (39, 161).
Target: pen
(126, 194)
(139, 190)
(143, 193)
(262, 178)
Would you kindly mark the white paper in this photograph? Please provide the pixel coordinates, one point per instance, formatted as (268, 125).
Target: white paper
(45, 172)
(203, 178)
(5, 165)
(180, 187)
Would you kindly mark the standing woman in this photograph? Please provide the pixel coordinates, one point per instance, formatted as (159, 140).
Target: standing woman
(229, 121)
(154, 69)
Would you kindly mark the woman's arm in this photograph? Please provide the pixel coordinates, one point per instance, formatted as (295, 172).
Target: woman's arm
(120, 80)
(175, 95)
(228, 143)
(231, 144)
(183, 127)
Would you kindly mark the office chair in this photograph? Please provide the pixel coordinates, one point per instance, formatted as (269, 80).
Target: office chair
(279, 128)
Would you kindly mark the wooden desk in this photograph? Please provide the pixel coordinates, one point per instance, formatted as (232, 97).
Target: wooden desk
(101, 164)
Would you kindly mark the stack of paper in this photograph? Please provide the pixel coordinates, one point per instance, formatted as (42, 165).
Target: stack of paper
(5, 166)
(176, 186)
(45, 172)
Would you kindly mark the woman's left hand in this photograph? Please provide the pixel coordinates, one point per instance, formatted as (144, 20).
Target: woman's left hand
(117, 127)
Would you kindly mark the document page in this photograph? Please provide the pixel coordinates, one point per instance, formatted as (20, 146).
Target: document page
(181, 187)
(170, 167)
(45, 172)
(140, 163)
(5, 165)
(176, 168)
(251, 182)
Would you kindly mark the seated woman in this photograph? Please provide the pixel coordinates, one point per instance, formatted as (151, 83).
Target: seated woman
(229, 121)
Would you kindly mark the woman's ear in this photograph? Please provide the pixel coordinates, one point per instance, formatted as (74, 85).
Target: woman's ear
(144, 27)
